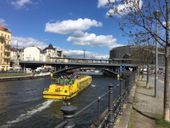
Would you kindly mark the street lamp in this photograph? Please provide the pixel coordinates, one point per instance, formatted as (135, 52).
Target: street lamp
(157, 15)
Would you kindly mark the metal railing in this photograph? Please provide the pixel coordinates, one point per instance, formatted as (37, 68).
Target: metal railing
(108, 117)
(82, 60)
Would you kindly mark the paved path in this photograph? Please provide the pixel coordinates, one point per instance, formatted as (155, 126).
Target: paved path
(145, 106)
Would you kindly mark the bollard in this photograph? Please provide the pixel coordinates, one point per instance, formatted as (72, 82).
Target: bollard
(69, 111)
(110, 106)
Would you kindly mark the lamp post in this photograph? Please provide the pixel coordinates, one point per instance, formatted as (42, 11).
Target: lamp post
(157, 15)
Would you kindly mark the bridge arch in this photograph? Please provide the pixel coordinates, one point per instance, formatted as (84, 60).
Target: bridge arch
(79, 67)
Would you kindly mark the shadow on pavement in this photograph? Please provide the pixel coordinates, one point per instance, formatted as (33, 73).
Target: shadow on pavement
(144, 94)
(140, 112)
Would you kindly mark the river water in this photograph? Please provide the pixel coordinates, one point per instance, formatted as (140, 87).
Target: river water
(22, 105)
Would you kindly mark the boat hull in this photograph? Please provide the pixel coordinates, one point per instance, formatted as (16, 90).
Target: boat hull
(59, 97)
(67, 92)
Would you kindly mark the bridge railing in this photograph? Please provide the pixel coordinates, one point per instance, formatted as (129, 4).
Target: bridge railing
(88, 60)
(106, 118)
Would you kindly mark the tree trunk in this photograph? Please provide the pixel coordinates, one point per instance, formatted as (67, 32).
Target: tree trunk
(138, 71)
(142, 72)
(167, 63)
(147, 78)
(167, 88)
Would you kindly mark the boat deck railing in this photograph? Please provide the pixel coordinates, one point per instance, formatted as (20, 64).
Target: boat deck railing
(106, 118)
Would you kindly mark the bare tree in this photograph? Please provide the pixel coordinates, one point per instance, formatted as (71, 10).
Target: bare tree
(138, 21)
(143, 55)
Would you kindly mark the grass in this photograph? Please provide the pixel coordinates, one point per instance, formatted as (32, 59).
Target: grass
(132, 120)
(13, 74)
(160, 123)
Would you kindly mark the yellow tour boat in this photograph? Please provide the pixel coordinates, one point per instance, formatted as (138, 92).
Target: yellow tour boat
(65, 88)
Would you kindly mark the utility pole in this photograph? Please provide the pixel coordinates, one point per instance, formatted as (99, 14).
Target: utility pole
(84, 55)
(157, 16)
(17, 54)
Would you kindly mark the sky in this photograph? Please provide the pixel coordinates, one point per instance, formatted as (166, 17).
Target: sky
(70, 25)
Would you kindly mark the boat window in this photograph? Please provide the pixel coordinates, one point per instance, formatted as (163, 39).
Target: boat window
(57, 90)
(66, 80)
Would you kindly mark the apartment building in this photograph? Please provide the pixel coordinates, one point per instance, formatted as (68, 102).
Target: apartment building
(51, 52)
(5, 42)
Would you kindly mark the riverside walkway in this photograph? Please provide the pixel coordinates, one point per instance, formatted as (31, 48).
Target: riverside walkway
(22, 76)
(144, 108)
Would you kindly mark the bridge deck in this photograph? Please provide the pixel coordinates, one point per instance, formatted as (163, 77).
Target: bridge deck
(76, 64)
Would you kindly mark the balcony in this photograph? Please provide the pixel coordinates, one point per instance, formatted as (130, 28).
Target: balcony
(7, 51)
(7, 57)
(7, 46)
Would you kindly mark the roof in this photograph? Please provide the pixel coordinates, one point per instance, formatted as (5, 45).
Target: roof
(16, 49)
(3, 28)
(123, 46)
(50, 46)
(13, 49)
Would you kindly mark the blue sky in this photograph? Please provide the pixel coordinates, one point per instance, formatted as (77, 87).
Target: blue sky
(71, 25)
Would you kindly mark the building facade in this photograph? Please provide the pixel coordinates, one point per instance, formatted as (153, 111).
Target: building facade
(121, 52)
(33, 54)
(52, 53)
(14, 57)
(49, 54)
(130, 51)
(5, 43)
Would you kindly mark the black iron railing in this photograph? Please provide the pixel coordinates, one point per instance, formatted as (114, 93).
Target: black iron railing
(114, 108)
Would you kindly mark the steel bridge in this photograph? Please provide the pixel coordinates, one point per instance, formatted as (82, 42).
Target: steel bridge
(69, 63)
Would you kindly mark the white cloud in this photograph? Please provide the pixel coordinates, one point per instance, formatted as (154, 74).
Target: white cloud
(103, 3)
(80, 54)
(91, 39)
(2, 21)
(23, 42)
(70, 26)
(20, 3)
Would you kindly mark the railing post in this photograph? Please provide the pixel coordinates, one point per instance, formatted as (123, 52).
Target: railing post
(120, 84)
(110, 106)
(69, 111)
(122, 96)
(99, 99)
